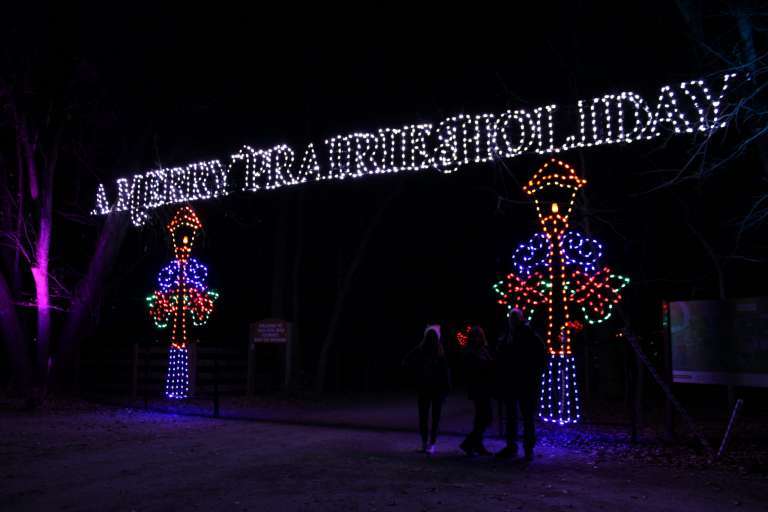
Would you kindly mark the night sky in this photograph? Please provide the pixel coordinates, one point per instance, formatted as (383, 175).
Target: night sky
(180, 84)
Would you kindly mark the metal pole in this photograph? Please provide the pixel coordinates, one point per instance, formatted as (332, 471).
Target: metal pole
(669, 407)
(193, 368)
(638, 391)
(216, 382)
(146, 377)
(727, 436)
(585, 395)
(500, 404)
(631, 391)
(251, 379)
(667, 390)
(288, 357)
(135, 373)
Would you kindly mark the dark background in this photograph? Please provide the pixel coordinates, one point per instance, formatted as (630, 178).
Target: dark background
(181, 83)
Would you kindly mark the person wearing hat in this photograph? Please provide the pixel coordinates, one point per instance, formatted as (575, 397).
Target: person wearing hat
(521, 357)
(432, 374)
(479, 364)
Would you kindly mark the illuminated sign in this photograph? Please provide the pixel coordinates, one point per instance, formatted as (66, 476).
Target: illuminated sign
(687, 107)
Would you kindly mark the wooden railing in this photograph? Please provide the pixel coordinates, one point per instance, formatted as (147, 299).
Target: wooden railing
(140, 371)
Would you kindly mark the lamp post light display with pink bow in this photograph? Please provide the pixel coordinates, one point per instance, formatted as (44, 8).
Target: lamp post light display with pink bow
(558, 273)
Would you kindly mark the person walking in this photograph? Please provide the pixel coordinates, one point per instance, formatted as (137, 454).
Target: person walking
(479, 385)
(433, 381)
(521, 357)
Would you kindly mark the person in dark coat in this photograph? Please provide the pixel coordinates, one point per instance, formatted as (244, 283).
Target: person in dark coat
(433, 381)
(479, 387)
(521, 357)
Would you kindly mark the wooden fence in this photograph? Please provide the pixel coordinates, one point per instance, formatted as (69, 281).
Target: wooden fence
(140, 371)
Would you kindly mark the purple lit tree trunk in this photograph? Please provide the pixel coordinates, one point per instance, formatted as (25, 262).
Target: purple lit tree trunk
(42, 291)
(39, 262)
(33, 294)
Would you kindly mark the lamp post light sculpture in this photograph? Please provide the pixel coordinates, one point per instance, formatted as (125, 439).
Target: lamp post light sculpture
(182, 297)
(556, 272)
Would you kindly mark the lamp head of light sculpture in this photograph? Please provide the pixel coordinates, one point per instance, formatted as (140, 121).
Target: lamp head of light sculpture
(553, 189)
(183, 228)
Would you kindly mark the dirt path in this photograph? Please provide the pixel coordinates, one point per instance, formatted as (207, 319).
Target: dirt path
(123, 460)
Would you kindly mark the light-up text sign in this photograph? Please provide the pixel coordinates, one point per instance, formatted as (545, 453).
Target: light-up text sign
(696, 106)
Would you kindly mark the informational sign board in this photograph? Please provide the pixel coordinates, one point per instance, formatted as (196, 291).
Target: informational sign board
(269, 355)
(270, 331)
(720, 342)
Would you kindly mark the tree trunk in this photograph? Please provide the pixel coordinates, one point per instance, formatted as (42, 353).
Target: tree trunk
(42, 294)
(86, 298)
(279, 274)
(43, 340)
(14, 339)
(716, 261)
(346, 284)
(746, 33)
(295, 352)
